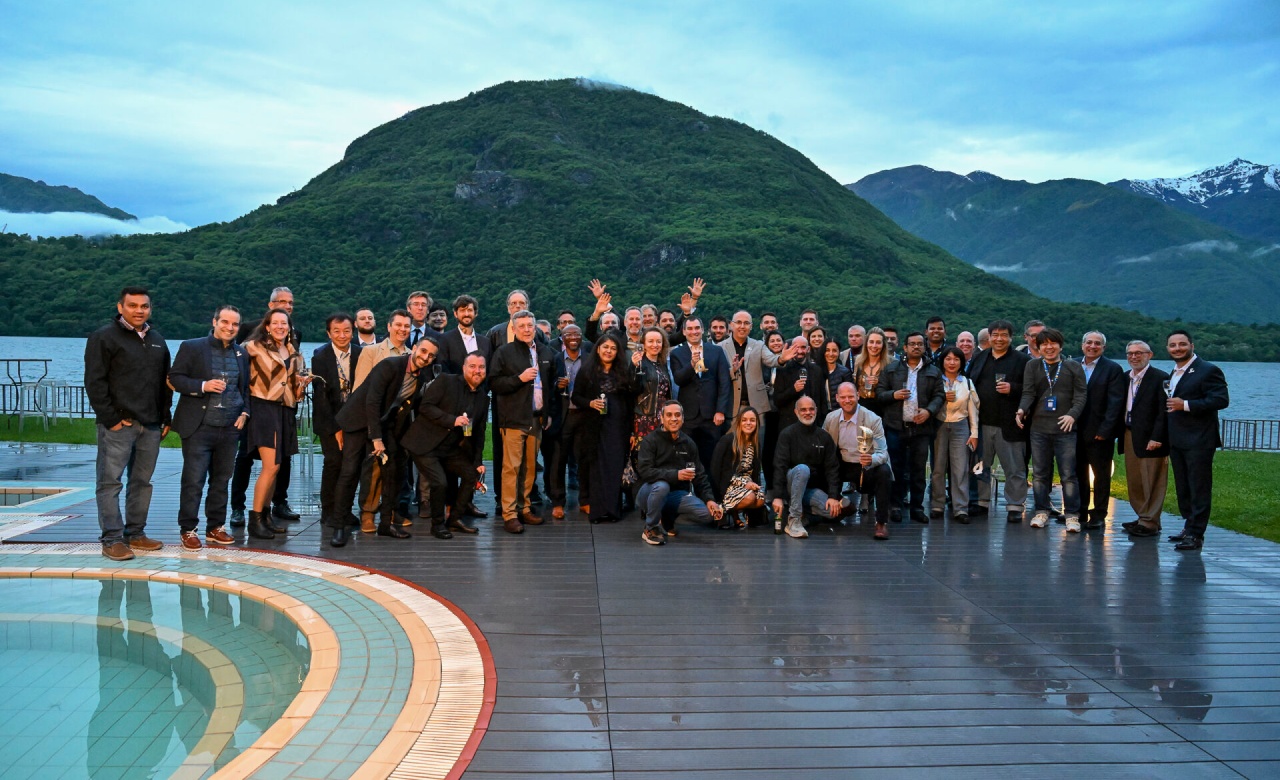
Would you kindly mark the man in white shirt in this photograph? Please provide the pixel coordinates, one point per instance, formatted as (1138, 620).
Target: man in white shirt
(864, 457)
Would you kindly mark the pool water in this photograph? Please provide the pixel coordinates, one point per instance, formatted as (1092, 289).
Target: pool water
(132, 678)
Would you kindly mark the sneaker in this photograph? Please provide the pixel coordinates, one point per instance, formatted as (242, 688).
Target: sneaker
(144, 542)
(117, 551)
(795, 529)
(191, 540)
(672, 532)
(653, 536)
(1073, 524)
(1040, 520)
(219, 535)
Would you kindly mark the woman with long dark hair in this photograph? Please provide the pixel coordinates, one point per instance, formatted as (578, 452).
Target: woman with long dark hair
(837, 373)
(775, 343)
(277, 379)
(605, 385)
(737, 469)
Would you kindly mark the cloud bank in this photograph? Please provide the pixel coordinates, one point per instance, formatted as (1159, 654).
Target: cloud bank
(75, 223)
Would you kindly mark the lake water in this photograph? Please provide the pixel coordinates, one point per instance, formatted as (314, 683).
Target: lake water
(1255, 387)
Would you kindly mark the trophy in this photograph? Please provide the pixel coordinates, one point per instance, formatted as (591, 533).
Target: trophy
(866, 446)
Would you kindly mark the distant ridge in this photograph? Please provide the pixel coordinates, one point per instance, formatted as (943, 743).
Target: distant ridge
(19, 195)
(1242, 196)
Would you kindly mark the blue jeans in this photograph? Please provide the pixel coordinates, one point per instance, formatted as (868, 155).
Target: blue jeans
(134, 449)
(658, 502)
(211, 452)
(1045, 448)
(798, 488)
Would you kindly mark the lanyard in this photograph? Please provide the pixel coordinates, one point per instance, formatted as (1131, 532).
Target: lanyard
(1056, 373)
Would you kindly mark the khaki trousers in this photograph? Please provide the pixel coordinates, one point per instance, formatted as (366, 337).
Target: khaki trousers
(519, 468)
(1148, 478)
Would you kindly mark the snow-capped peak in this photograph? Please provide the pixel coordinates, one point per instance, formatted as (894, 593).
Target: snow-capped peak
(1237, 176)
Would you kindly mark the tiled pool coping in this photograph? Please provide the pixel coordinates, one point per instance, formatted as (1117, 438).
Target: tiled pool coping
(401, 682)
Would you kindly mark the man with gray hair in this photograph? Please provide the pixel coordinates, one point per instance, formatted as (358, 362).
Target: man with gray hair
(1145, 443)
(1100, 424)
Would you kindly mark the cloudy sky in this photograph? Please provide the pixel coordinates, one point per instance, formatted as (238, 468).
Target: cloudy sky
(200, 112)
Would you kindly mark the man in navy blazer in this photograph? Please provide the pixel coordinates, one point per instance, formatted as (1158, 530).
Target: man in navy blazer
(1099, 424)
(701, 371)
(211, 376)
(1145, 443)
(1197, 392)
(334, 365)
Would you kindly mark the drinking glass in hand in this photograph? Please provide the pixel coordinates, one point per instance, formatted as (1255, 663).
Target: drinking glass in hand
(221, 376)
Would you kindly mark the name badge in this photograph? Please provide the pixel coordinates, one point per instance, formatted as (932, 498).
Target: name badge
(1051, 404)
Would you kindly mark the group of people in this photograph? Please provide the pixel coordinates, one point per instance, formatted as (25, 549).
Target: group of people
(644, 409)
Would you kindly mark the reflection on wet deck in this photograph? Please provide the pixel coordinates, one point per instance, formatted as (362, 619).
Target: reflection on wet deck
(964, 651)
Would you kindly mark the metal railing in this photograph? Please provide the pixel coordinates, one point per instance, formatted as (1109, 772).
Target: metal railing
(1256, 435)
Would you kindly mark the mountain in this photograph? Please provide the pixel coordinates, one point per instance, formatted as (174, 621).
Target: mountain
(1077, 240)
(1240, 196)
(19, 195)
(543, 186)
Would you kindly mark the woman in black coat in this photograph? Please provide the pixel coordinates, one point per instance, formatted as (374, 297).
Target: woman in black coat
(836, 372)
(606, 384)
(736, 469)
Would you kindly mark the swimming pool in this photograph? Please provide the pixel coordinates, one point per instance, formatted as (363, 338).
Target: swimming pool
(109, 678)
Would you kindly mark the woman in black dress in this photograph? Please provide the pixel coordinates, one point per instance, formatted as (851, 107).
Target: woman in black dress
(605, 384)
(736, 475)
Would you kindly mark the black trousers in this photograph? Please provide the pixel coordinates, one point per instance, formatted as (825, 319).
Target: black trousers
(706, 435)
(442, 470)
(1093, 471)
(1193, 483)
(244, 469)
(909, 455)
(355, 445)
(874, 481)
(330, 470)
(570, 444)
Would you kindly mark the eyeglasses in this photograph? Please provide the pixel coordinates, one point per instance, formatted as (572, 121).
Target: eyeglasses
(1136, 354)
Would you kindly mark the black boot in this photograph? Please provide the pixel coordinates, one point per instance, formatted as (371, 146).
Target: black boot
(276, 527)
(285, 512)
(341, 535)
(257, 528)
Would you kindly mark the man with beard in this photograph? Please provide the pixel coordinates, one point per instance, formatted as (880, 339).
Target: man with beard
(1197, 392)
(806, 471)
(673, 480)
(910, 400)
(719, 329)
(564, 439)
(462, 340)
(856, 335)
(797, 377)
(366, 328)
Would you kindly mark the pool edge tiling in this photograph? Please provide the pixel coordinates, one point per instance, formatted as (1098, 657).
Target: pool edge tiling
(438, 696)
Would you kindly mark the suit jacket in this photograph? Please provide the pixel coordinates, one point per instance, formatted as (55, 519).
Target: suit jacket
(1205, 386)
(929, 395)
(373, 404)
(438, 407)
(512, 396)
(1105, 396)
(453, 350)
(191, 367)
(326, 396)
(864, 417)
(372, 356)
(754, 362)
(1149, 420)
(702, 394)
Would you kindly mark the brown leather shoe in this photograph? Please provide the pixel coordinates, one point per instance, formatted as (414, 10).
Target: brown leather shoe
(117, 551)
(367, 524)
(219, 535)
(529, 518)
(455, 524)
(144, 542)
(557, 513)
(882, 531)
(513, 526)
(191, 540)
(585, 509)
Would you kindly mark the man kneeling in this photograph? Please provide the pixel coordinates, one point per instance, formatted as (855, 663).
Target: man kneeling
(673, 481)
(864, 453)
(806, 470)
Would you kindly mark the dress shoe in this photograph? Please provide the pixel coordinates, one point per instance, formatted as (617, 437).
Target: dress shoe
(935, 514)
(367, 523)
(472, 511)
(285, 513)
(117, 551)
(557, 513)
(341, 535)
(237, 518)
(220, 536)
(1142, 532)
(961, 518)
(918, 516)
(1179, 536)
(456, 524)
(1189, 542)
(257, 528)
(512, 526)
(387, 529)
(882, 532)
(191, 540)
(440, 532)
(895, 515)
(1014, 516)
(978, 510)
(143, 542)
(1093, 525)
(1130, 525)
(529, 518)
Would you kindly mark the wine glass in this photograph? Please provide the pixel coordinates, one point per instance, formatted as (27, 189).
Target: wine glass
(1168, 388)
(223, 376)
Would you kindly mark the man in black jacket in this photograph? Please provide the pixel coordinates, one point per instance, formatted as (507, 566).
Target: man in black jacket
(446, 440)
(1145, 443)
(806, 468)
(125, 364)
(673, 480)
(1197, 392)
(211, 377)
(701, 371)
(997, 376)
(334, 364)
(797, 377)
(377, 414)
(523, 381)
(911, 399)
(1098, 427)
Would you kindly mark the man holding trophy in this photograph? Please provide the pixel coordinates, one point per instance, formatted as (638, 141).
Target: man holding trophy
(864, 453)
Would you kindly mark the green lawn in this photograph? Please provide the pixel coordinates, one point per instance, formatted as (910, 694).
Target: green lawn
(1246, 492)
(76, 431)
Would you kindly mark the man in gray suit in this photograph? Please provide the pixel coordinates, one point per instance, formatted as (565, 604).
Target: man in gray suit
(748, 359)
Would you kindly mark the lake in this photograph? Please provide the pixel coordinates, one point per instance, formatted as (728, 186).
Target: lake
(1255, 387)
